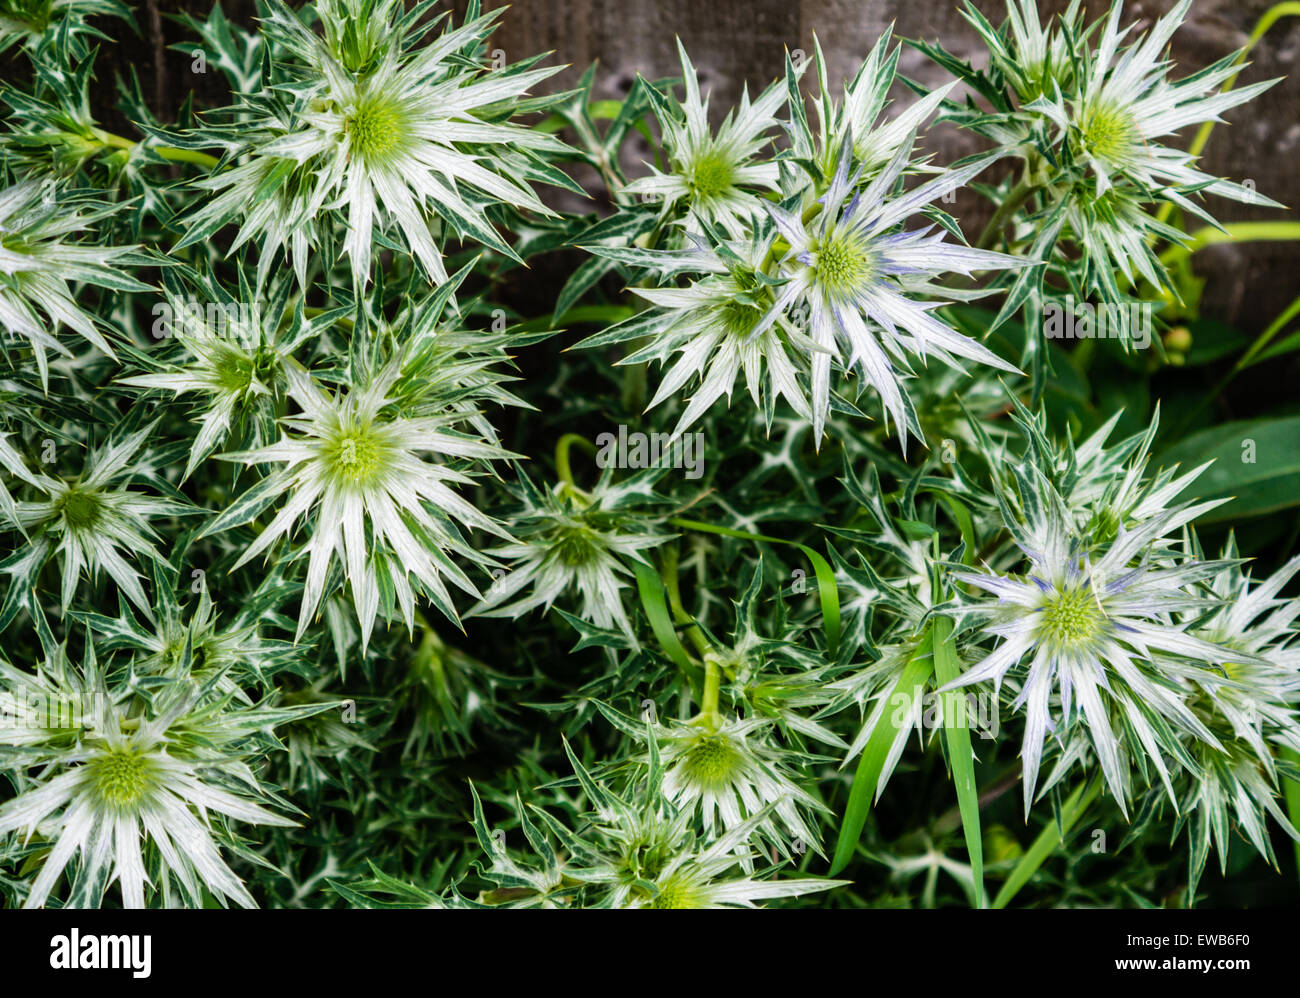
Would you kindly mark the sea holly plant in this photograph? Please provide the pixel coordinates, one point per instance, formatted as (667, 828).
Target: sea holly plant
(426, 487)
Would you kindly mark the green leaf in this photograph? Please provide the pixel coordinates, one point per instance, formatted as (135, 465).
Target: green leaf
(651, 590)
(874, 755)
(1048, 839)
(960, 751)
(1256, 461)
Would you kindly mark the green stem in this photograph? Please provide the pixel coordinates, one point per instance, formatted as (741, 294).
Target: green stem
(1015, 198)
(166, 152)
(712, 687)
(680, 615)
(562, 466)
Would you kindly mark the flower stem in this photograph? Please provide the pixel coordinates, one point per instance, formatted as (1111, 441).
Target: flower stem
(1017, 196)
(680, 615)
(712, 687)
(166, 152)
(562, 466)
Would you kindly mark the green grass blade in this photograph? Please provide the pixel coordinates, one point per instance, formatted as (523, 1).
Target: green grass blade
(651, 590)
(960, 751)
(1048, 839)
(873, 759)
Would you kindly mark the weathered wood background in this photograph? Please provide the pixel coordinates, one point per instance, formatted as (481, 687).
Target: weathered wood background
(738, 42)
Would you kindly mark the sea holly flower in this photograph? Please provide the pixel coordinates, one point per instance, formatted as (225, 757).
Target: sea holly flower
(704, 333)
(1034, 60)
(231, 355)
(729, 772)
(91, 522)
(1107, 487)
(1256, 695)
(715, 175)
(1088, 116)
(856, 118)
(569, 539)
(1125, 104)
(1229, 789)
(1251, 706)
(699, 880)
(401, 135)
(352, 466)
(1090, 619)
(1249, 703)
(128, 776)
(38, 265)
(634, 849)
(860, 281)
(233, 653)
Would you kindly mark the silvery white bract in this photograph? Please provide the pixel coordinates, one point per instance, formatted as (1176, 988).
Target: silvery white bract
(396, 138)
(1086, 629)
(716, 175)
(865, 283)
(355, 469)
(91, 522)
(39, 265)
(283, 376)
(113, 780)
(635, 849)
(704, 333)
(729, 771)
(1089, 116)
(571, 540)
(55, 28)
(231, 355)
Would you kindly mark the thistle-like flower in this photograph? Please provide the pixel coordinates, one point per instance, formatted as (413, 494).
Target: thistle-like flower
(858, 279)
(232, 654)
(38, 265)
(727, 770)
(92, 522)
(1088, 116)
(569, 539)
(1090, 618)
(353, 468)
(402, 136)
(715, 175)
(858, 117)
(634, 850)
(1125, 104)
(698, 879)
(123, 774)
(705, 330)
(231, 354)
